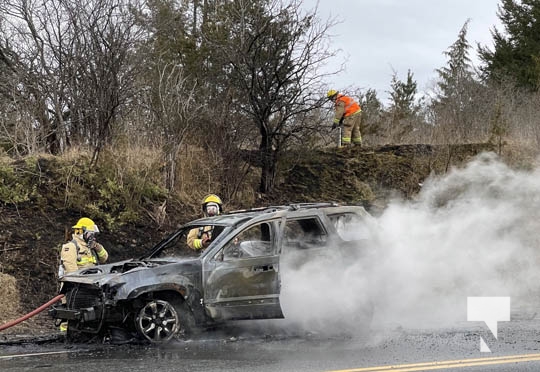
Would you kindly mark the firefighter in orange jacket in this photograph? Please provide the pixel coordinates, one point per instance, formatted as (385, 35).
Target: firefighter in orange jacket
(347, 113)
(201, 237)
(83, 250)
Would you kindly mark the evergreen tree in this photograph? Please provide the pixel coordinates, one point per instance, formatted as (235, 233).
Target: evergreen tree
(457, 89)
(372, 112)
(402, 97)
(403, 107)
(516, 52)
(457, 75)
(371, 104)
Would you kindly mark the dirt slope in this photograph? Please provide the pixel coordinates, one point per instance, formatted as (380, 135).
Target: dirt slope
(370, 176)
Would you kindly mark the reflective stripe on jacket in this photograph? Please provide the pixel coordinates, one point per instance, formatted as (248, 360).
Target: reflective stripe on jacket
(195, 236)
(76, 255)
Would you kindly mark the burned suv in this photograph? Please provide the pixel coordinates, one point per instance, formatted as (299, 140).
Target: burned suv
(175, 289)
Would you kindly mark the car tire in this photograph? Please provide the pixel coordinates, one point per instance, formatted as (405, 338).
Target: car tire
(159, 320)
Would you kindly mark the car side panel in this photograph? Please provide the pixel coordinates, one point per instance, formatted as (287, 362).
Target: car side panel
(244, 289)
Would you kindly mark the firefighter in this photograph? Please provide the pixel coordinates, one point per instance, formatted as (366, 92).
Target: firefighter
(201, 237)
(83, 250)
(348, 114)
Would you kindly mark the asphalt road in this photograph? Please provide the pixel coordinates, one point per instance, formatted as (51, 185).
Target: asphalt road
(245, 346)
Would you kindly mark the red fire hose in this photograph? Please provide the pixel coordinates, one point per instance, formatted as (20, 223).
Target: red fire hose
(31, 314)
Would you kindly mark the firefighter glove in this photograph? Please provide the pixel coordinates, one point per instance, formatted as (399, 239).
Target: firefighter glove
(90, 238)
(337, 122)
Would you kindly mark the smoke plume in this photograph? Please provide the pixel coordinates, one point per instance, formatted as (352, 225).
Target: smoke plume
(472, 232)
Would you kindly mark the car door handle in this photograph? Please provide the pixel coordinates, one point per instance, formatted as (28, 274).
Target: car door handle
(263, 268)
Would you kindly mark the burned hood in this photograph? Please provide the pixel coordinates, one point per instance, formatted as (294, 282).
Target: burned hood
(120, 271)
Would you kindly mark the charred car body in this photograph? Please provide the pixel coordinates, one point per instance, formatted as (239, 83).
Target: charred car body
(175, 289)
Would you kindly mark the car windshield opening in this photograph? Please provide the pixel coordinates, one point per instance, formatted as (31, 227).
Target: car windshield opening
(190, 241)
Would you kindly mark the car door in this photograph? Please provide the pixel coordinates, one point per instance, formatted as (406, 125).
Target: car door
(241, 281)
(304, 239)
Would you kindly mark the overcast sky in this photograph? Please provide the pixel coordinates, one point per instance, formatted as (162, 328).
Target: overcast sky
(378, 37)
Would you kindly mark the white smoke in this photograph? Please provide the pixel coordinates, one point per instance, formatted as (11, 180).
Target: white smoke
(472, 232)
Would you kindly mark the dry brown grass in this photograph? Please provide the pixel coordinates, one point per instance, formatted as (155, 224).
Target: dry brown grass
(521, 153)
(10, 304)
(200, 173)
(11, 309)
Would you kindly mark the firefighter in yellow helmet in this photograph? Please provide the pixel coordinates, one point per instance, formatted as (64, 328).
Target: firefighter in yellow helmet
(201, 237)
(347, 113)
(83, 250)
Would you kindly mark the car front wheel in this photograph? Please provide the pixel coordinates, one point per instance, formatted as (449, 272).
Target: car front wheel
(158, 321)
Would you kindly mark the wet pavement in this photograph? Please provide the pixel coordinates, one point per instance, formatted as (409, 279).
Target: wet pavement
(247, 347)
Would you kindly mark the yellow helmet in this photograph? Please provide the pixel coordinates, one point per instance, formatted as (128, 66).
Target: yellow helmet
(86, 224)
(331, 93)
(212, 198)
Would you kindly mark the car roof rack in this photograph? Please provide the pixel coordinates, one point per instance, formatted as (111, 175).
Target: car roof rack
(272, 208)
(297, 206)
(290, 207)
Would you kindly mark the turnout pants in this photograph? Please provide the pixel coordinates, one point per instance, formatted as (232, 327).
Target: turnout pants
(351, 129)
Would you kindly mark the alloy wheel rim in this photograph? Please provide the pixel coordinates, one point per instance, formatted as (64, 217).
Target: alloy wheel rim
(158, 321)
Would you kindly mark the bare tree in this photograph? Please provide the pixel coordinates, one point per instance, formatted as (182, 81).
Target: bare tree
(106, 66)
(35, 31)
(174, 109)
(75, 64)
(273, 57)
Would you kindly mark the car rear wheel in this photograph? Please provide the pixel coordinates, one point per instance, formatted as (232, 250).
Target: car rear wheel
(158, 321)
